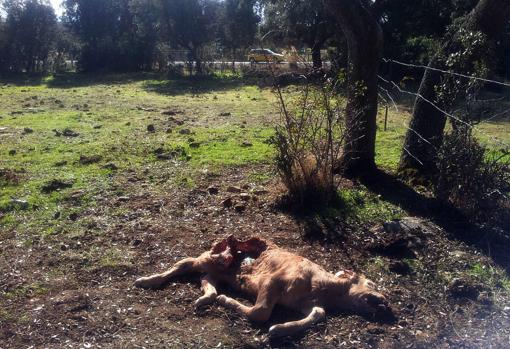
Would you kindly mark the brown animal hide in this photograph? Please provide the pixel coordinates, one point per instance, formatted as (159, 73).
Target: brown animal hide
(271, 275)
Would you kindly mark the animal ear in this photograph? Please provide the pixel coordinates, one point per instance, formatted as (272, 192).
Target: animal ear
(219, 246)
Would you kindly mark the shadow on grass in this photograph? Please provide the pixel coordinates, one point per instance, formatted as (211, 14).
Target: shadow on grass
(73, 80)
(22, 79)
(337, 223)
(321, 223)
(153, 82)
(193, 85)
(488, 240)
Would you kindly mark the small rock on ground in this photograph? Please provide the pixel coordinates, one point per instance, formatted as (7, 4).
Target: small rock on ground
(88, 160)
(227, 203)
(464, 288)
(240, 208)
(111, 166)
(234, 189)
(213, 190)
(54, 185)
(399, 267)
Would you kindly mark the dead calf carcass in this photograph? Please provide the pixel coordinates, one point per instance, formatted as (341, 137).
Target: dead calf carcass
(272, 276)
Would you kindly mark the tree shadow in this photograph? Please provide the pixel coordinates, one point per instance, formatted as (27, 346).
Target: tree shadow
(152, 82)
(320, 223)
(451, 220)
(22, 79)
(195, 85)
(73, 80)
(333, 224)
(76, 80)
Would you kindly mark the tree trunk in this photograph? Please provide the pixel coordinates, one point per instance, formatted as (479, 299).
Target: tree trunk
(425, 132)
(316, 56)
(426, 128)
(195, 60)
(365, 42)
(234, 60)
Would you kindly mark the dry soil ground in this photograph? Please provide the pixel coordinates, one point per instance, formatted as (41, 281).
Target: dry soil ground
(105, 179)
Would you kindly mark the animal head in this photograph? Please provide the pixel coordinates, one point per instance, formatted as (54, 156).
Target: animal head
(363, 295)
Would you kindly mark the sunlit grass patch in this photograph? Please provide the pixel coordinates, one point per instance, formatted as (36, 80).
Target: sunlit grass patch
(32, 290)
(110, 116)
(113, 258)
(229, 146)
(374, 266)
(490, 276)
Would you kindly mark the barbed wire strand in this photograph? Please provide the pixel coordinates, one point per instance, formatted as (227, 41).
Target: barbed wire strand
(413, 156)
(384, 99)
(461, 75)
(406, 126)
(390, 97)
(495, 116)
(444, 112)
(388, 60)
(492, 100)
(426, 100)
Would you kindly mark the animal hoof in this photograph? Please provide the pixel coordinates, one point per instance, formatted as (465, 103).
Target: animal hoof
(275, 332)
(203, 301)
(144, 283)
(222, 299)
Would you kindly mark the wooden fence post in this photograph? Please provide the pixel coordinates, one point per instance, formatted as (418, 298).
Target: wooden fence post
(386, 119)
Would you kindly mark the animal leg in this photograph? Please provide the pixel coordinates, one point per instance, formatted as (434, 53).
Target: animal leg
(209, 289)
(186, 266)
(290, 328)
(260, 312)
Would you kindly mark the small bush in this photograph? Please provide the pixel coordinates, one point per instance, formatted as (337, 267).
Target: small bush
(474, 180)
(308, 141)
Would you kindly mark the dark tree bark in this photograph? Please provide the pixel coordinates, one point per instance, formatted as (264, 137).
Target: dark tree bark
(425, 135)
(365, 42)
(234, 59)
(316, 56)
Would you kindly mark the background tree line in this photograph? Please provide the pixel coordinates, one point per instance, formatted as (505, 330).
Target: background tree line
(121, 35)
(133, 35)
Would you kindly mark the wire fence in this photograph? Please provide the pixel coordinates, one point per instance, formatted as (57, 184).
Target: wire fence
(447, 114)
(410, 65)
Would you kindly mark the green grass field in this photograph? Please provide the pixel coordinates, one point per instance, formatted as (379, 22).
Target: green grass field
(198, 125)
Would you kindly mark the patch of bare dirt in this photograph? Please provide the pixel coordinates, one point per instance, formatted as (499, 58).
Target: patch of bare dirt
(10, 176)
(77, 291)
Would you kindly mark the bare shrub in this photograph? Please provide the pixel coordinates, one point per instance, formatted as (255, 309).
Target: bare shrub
(472, 178)
(308, 140)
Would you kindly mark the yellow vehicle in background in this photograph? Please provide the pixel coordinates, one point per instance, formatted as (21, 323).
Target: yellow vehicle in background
(263, 55)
